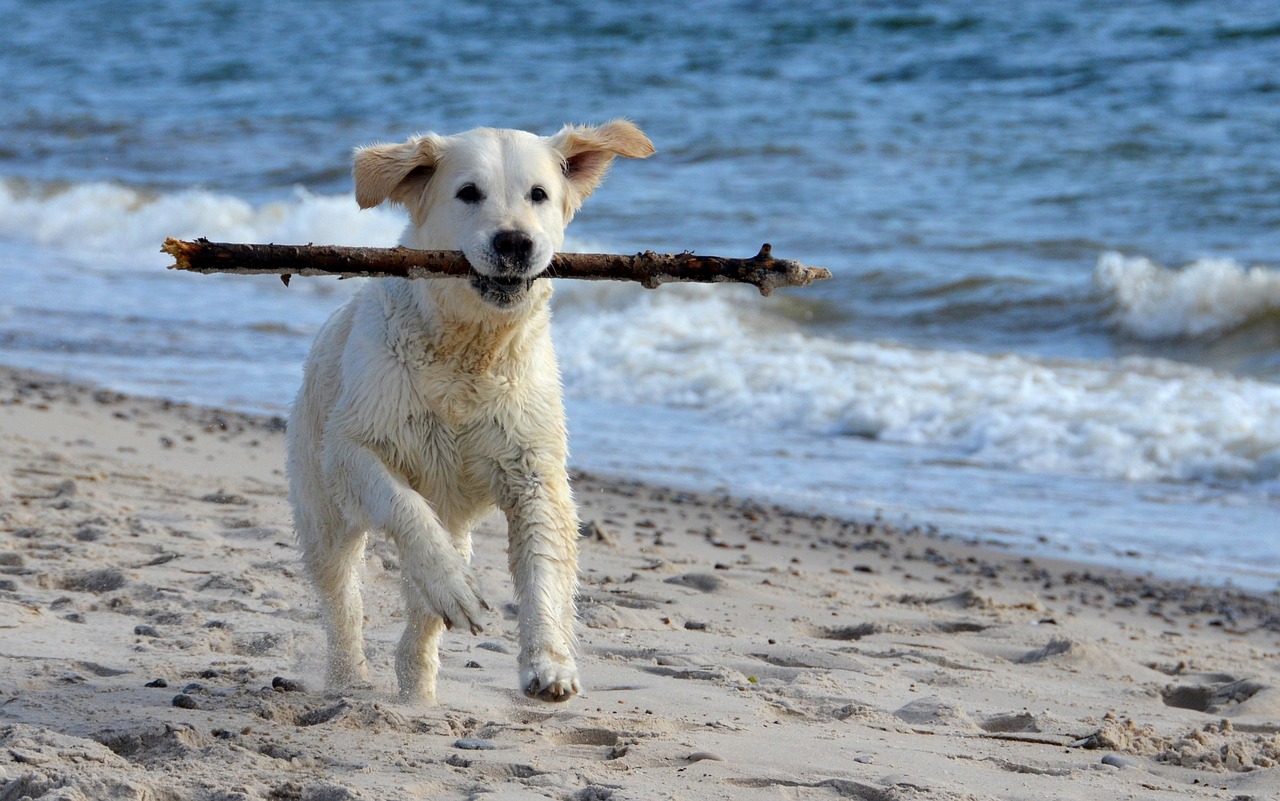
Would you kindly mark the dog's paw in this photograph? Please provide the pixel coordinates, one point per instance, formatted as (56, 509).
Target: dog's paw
(458, 603)
(549, 680)
(347, 672)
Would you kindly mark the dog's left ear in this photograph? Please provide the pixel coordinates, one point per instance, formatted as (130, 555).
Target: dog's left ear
(398, 173)
(588, 151)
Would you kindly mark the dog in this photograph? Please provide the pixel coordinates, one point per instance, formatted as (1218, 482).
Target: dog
(426, 403)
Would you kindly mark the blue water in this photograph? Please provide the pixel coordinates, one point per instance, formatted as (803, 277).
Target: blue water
(1054, 229)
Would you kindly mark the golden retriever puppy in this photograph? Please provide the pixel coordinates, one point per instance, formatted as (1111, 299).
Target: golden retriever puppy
(426, 403)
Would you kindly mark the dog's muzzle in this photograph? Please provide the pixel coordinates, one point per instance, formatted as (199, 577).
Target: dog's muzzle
(509, 277)
(513, 249)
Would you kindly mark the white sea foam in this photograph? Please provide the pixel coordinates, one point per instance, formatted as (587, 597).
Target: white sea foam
(124, 227)
(716, 349)
(1207, 297)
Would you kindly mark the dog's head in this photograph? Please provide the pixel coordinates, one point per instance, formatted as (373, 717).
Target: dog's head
(502, 197)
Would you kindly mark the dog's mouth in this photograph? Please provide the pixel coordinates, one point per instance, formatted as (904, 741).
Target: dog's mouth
(502, 291)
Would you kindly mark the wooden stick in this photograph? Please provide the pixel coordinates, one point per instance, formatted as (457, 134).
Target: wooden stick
(648, 268)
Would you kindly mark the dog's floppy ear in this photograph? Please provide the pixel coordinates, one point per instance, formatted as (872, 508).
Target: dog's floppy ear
(588, 151)
(398, 173)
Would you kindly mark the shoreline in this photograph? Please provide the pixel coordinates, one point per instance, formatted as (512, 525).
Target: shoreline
(747, 648)
(17, 382)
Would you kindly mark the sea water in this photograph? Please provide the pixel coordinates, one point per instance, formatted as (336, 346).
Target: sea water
(1055, 316)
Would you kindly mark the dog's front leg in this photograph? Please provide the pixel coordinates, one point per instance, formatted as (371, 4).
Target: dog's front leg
(439, 586)
(542, 525)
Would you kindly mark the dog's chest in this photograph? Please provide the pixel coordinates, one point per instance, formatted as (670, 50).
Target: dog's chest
(457, 407)
(459, 400)
(456, 380)
(441, 441)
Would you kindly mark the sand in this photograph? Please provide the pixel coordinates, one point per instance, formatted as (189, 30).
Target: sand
(159, 642)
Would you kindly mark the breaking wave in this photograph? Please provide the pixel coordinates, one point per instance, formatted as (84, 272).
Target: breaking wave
(1208, 297)
(717, 350)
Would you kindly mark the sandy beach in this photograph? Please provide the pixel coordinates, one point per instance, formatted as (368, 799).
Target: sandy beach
(159, 642)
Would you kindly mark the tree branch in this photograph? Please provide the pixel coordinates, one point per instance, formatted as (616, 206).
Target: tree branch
(650, 269)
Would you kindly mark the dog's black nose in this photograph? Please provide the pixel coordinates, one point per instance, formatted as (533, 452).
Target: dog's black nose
(513, 246)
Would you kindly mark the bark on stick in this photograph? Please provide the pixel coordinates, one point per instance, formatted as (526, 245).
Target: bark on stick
(650, 269)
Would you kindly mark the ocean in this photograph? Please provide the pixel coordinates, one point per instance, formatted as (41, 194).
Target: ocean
(1055, 318)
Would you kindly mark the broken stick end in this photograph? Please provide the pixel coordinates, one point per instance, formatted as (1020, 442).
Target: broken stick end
(180, 251)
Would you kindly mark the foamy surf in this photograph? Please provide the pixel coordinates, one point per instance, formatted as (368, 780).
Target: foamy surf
(123, 226)
(720, 349)
(1204, 298)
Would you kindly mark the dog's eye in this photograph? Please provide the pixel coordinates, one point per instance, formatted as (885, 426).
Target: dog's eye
(469, 194)
(538, 194)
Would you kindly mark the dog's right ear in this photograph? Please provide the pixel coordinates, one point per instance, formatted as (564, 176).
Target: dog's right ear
(398, 173)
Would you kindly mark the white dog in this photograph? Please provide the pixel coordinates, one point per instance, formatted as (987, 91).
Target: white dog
(428, 402)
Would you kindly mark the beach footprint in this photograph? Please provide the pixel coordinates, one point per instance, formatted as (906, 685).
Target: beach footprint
(1220, 697)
